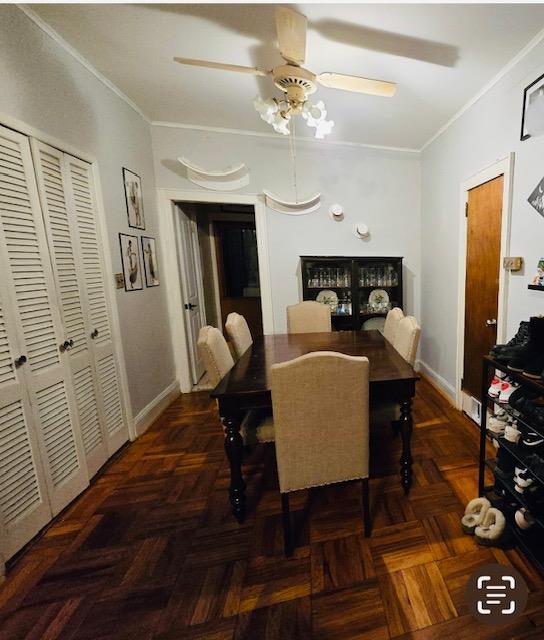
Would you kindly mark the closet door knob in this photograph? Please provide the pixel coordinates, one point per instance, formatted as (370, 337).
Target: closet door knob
(19, 361)
(491, 323)
(66, 345)
(94, 334)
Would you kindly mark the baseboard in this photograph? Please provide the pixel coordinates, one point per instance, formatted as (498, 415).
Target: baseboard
(438, 381)
(153, 410)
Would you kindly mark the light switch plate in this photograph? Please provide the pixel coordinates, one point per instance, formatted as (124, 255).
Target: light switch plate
(119, 280)
(513, 263)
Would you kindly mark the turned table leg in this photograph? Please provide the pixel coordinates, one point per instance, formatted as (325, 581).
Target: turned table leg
(233, 449)
(406, 433)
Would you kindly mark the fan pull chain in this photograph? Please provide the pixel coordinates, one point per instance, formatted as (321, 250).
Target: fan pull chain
(292, 146)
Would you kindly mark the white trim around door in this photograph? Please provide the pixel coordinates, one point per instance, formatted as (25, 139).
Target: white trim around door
(505, 167)
(167, 198)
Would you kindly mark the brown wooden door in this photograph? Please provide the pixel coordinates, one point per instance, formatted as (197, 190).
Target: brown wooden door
(482, 278)
(238, 272)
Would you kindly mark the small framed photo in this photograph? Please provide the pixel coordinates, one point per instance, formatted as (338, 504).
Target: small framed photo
(130, 259)
(134, 199)
(532, 117)
(151, 266)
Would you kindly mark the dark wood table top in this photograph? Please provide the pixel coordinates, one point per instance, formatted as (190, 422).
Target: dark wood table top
(250, 375)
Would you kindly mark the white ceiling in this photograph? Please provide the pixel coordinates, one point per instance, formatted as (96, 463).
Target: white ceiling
(440, 56)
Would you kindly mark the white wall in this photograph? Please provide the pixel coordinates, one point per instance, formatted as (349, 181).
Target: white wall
(487, 131)
(378, 187)
(45, 87)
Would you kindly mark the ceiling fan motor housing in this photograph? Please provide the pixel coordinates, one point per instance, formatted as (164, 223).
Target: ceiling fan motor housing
(296, 82)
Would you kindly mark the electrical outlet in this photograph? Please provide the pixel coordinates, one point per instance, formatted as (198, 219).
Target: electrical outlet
(513, 264)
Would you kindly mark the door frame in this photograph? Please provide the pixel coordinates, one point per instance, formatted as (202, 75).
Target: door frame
(503, 166)
(167, 199)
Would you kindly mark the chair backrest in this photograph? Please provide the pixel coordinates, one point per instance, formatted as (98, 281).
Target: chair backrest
(308, 317)
(239, 333)
(215, 353)
(320, 406)
(407, 339)
(392, 324)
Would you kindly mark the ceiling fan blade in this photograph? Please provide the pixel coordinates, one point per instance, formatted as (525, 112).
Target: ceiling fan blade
(255, 71)
(291, 30)
(357, 84)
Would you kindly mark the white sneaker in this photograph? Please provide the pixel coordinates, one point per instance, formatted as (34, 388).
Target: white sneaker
(497, 425)
(507, 389)
(495, 388)
(512, 434)
(524, 519)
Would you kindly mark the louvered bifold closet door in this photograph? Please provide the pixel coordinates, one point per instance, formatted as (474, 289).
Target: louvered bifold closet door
(51, 172)
(24, 506)
(44, 371)
(82, 197)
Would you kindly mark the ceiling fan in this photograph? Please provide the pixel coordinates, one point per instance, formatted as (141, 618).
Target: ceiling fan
(295, 81)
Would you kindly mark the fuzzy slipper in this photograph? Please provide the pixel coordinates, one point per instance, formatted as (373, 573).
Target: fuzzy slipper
(474, 514)
(491, 532)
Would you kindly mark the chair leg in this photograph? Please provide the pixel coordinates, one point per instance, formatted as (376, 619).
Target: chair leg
(366, 508)
(287, 527)
(395, 425)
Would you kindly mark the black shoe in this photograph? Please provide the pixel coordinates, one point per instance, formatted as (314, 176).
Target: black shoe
(532, 441)
(521, 336)
(506, 464)
(519, 357)
(534, 367)
(520, 395)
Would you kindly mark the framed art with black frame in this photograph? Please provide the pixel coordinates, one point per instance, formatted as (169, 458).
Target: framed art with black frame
(531, 94)
(151, 267)
(130, 259)
(134, 199)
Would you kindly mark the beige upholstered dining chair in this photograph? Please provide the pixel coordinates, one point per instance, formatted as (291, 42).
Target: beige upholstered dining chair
(407, 339)
(239, 333)
(308, 317)
(215, 353)
(320, 406)
(392, 324)
(218, 361)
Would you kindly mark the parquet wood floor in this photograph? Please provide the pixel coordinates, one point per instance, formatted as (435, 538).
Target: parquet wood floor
(150, 551)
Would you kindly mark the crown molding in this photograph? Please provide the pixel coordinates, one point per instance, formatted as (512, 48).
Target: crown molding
(487, 87)
(46, 28)
(263, 134)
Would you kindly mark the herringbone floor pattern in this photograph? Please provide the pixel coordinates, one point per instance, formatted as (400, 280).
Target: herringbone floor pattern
(151, 552)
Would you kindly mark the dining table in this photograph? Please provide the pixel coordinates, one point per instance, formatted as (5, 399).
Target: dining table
(246, 387)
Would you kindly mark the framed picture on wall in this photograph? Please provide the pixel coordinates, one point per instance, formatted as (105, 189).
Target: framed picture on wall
(134, 199)
(130, 259)
(151, 266)
(532, 117)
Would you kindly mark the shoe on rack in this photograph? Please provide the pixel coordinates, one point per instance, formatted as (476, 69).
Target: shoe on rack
(533, 369)
(536, 464)
(474, 514)
(491, 531)
(521, 336)
(524, 519)
(505, 465)
(512, 434)
(522, 355)
(520, 395)
(497, 426)
(495, 387)
(507, 389)
(522, 479)
(532, 441)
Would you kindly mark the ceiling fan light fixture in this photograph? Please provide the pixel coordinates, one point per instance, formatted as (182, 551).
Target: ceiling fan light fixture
(267, 109)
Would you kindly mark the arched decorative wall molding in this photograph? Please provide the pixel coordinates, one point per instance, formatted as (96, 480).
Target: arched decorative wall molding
(292, 208)
(227, 179)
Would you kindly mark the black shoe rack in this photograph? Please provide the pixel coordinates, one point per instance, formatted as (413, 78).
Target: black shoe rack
(502, 493)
